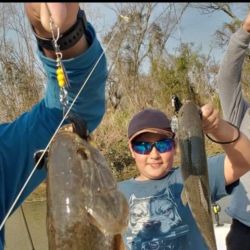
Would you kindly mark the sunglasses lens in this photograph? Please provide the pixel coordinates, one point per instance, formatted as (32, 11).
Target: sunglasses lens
(164, 145)
(146, 147)
(141, 147)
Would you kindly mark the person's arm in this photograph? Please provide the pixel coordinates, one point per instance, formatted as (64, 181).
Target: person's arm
(237, 160)
(78, 61)
(33, 130)
(233, 104)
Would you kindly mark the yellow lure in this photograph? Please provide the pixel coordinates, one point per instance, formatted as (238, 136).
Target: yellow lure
(60, 77)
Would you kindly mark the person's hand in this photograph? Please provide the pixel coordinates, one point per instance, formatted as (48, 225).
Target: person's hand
(210, 118)
(212, 124)
(63, 14)
(246, 23)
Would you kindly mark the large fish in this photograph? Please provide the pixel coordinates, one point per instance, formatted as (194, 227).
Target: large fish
(194, 170)
(85, 210)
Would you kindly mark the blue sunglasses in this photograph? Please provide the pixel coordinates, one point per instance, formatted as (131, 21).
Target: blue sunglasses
(144, 148)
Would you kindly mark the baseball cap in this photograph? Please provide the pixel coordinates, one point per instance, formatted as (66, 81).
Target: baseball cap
(150, 120)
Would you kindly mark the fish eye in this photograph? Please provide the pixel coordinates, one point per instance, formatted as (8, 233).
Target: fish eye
(83, 153)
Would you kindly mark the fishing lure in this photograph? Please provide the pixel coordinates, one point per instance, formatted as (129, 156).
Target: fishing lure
(61, 75)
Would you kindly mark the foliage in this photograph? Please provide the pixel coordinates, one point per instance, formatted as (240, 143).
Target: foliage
(20, 80)
(224, 32)
(140, 38)
(185, 77)
(19, 88)
(135, 44)
(188, 74)
(188, 70)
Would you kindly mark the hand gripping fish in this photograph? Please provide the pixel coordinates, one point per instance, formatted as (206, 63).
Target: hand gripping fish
(85, 211)
(194, 171)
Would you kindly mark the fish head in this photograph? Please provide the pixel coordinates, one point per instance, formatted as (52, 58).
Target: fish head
(104, 206)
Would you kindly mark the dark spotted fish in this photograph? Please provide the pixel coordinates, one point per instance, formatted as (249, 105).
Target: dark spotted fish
(85, 211)
(196, 190)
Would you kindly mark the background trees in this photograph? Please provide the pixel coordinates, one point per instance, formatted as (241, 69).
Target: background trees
(142, 71)
(21, 79)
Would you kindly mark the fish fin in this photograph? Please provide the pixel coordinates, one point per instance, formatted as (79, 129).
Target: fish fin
(79, 126)
(43, 161)
(92, 220)
(118, 242)
(184, 197)
(97, 221)
(204, 202)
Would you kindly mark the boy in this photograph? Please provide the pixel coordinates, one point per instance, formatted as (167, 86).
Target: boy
(158, 219)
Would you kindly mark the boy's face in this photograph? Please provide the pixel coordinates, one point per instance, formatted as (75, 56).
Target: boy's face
(154, 165)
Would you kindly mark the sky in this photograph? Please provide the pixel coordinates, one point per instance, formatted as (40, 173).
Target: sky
(200, 28)
(195, 27)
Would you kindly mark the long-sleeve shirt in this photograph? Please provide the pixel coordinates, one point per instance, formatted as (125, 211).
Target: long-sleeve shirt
(32, 130)
(236, 110)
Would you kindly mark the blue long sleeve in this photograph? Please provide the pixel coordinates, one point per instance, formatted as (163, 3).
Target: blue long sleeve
(33, 130)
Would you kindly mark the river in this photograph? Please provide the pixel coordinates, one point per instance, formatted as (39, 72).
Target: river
(17, 233)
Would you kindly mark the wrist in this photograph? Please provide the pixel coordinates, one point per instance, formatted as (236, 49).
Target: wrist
(226, 133)
(69, 38)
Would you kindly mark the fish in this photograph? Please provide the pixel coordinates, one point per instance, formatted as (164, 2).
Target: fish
(194, 171)
(85, 210)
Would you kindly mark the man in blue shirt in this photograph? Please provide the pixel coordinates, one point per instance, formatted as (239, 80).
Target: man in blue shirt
(158, 218)
(32, 131)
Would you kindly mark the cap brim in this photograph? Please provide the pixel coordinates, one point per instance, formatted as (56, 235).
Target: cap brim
(153, 130)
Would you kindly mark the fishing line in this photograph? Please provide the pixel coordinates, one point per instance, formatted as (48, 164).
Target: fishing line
(33, 170)
(28, 230)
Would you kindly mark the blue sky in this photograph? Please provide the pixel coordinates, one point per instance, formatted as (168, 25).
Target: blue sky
(200, 28)
(195, 27)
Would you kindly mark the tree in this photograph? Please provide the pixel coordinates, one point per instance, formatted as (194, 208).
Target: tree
(189, 76)
(139, 40)
(21, 77)
(224, 33)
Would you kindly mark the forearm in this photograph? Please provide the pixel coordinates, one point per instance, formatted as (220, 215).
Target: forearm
(21, 139)
(230, 92)
(237, 161)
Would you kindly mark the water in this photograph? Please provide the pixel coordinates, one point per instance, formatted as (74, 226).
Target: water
(16, 232)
